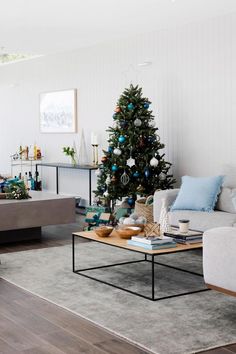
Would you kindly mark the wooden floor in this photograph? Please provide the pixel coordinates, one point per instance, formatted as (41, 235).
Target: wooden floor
(31, 325)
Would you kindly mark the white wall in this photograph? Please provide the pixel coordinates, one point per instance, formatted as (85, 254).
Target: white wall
(191, 84)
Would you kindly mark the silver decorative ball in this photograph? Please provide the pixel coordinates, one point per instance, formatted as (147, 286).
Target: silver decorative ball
(117, 151)
(106, 194)
(162, 176)
(137, 122)
(154, 162)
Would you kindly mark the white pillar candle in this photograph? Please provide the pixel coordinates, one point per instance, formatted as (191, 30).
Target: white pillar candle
(94, 139)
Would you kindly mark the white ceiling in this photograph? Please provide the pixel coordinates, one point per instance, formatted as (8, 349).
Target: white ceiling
(47, 26)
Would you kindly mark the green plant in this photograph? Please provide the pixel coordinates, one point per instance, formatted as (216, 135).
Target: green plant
(70, 151)
(16, 190)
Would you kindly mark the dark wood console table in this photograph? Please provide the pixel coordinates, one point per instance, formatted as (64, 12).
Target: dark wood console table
(59, 165)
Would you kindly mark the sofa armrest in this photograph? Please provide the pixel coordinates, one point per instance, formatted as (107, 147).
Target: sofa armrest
(168, 194)
(219, 262)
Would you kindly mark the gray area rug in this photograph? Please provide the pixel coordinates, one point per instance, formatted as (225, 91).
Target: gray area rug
(179, 325)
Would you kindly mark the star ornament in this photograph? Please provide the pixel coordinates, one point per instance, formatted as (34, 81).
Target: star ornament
(130, 162)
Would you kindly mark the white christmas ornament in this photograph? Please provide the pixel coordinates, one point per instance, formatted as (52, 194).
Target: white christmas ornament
(98, 172)
(152, 123)
(137, 122)
(124, 178)
(162, 176)
(108, 180)
(117, 151)
(154, 162)
(106, 194)
(130, 162)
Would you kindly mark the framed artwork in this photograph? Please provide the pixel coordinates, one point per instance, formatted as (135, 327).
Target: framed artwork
(58, 111)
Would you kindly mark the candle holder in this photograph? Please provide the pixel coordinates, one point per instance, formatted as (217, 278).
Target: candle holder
(95, 154)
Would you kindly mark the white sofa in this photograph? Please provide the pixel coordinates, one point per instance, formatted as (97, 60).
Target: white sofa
(219, 261)
(224, 214)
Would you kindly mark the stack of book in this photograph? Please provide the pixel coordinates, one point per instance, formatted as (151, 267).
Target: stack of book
(185, 238)
(152, 242)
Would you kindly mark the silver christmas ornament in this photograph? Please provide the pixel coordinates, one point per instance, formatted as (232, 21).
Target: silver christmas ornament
(124, 178)
(130, 162)
(117, 151)
(137, 122)
(162, 176)
(154, 162)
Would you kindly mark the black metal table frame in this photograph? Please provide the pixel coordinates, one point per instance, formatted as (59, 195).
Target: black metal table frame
(77, 167)
(152, 261)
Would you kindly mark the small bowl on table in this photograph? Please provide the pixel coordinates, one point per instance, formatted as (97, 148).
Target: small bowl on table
(124, 226)
(128, 231)
(103, 231)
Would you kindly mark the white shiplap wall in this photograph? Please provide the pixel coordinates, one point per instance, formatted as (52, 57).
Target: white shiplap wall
(191, 83)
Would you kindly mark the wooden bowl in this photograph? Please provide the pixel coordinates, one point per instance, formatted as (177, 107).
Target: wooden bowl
(103, 231)
(124, 226)
(128, 232)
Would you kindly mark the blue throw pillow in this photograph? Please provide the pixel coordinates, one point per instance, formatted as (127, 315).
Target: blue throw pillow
(198, 193)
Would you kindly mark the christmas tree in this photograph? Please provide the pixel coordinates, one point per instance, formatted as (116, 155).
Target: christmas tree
(133, 163)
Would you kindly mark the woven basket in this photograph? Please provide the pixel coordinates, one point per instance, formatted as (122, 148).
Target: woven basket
(142, 208)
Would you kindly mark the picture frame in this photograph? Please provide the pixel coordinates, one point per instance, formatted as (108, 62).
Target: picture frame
(58, 111)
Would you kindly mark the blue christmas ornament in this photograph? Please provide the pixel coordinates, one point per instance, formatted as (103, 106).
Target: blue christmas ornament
(147, 172)
(146, 105)
(114, 116)
(136, 174)
(123, 123)
(130, 201)
(130, 106)
(114, 168)
(110, 149)
(121, 139)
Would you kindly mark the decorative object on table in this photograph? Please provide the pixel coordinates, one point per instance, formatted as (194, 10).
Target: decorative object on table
(83, 152)
(94, 143)
(58, 111)
(132, 220)
(16, 190)
(144, 208)
(128, 231)
(164, 220)
(190, 237)
(70, 151)
(103, 231)
(183, 226)
(135, 145)
(152, 229)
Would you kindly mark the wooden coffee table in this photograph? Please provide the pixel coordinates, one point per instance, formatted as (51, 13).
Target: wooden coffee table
(149, 256)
